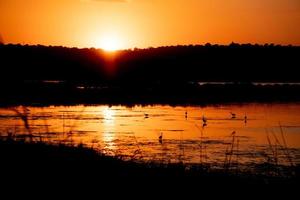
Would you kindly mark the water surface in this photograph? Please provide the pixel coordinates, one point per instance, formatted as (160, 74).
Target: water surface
(256, 133)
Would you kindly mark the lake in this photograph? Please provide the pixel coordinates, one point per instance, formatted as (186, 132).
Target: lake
(243, 134)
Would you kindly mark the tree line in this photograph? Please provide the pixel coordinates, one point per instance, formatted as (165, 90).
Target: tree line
(169, 64)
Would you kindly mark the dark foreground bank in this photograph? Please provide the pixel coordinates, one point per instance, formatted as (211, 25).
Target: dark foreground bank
(22, 161)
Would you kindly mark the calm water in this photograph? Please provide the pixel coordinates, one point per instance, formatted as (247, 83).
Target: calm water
(133, 132)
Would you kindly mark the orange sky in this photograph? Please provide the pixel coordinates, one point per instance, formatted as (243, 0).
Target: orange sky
(144, 23)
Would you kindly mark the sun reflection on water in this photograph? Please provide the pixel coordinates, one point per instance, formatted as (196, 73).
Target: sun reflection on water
(108, 127)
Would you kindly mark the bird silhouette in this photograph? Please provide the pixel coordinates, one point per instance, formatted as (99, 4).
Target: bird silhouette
(160, 138)
(204, 120)
(233, 115)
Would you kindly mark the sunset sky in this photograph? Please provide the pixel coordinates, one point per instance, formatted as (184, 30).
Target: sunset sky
(118, 24)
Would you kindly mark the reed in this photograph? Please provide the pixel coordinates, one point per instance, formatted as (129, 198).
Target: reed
(138, 151)
(200, 144)
(274, 158)
(229, 153)
(286, 149)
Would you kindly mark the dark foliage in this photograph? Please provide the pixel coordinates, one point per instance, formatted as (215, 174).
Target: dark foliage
(240, 63)
(154, 75)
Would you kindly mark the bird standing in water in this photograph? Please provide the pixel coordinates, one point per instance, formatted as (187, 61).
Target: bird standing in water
(204, 120)
(233, 115)
(160, 138)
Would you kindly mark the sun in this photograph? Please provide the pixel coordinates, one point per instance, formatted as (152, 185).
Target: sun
(109, 43)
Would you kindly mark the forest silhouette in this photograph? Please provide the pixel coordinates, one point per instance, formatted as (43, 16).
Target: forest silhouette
(175, 63)
(163, 74)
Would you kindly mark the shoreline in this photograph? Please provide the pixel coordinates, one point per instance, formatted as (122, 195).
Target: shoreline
(52, 158)
(128, 95)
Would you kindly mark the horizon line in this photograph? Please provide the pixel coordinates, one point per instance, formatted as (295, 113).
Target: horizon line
(163, 46)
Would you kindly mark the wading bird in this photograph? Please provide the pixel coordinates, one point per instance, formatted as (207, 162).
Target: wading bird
(204, 120)
(160, 138)
(233, 115)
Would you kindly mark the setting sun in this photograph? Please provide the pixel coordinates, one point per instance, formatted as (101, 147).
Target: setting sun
(148, 23)
(109, 43)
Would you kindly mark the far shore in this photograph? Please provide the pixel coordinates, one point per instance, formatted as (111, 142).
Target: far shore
(70, 93)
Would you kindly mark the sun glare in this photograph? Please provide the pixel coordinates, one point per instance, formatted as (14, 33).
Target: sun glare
(109, 43)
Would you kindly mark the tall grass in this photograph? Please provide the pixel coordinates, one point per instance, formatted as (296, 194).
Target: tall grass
(280, 153)
(285, 146)
(231, 154)
(202, 147)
